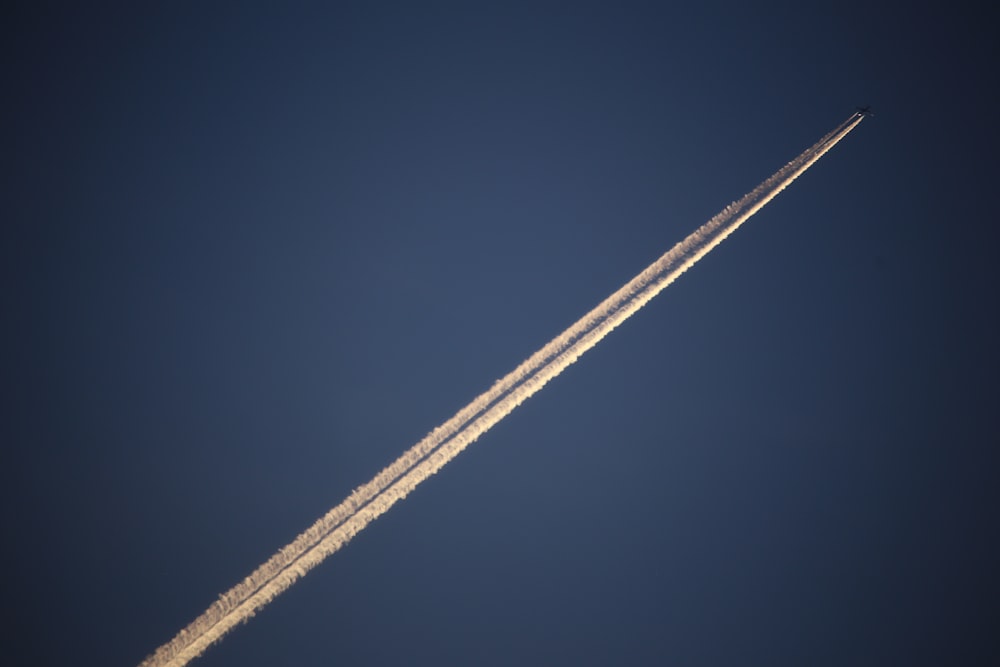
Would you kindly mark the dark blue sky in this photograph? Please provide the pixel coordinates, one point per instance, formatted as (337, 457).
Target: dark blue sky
(250, 256)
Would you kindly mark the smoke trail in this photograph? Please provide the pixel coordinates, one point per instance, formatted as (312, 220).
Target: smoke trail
(421, 461)
(309, 538)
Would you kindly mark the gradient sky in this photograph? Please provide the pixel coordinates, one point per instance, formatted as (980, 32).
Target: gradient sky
(250, 256)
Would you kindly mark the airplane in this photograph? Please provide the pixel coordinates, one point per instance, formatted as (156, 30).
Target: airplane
(865, 111)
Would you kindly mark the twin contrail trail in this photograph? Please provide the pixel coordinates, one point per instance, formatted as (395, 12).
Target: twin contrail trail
(371, 500)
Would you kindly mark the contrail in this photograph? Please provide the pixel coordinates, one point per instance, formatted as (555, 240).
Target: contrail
(371, 500)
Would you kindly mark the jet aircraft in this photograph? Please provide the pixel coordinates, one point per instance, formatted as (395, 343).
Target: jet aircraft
(866, 111)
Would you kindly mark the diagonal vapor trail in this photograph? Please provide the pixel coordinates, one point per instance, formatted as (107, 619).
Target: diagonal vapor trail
(427, 457)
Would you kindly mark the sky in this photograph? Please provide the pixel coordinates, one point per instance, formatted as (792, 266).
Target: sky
(251, 255)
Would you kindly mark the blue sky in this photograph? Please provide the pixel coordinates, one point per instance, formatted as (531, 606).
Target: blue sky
(252, 255)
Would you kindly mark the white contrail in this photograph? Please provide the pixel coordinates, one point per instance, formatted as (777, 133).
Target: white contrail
(309, 538)
(428, 456)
